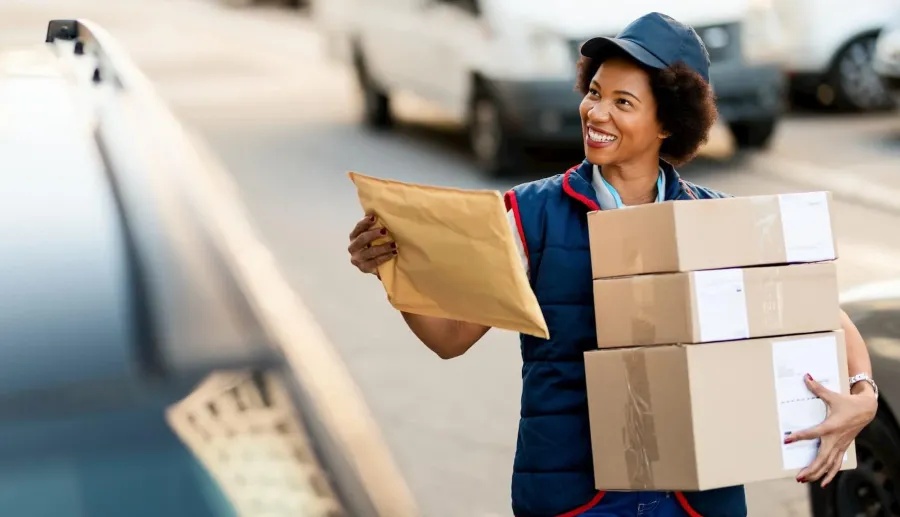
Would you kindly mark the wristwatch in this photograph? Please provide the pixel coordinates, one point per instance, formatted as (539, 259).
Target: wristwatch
(864, 377)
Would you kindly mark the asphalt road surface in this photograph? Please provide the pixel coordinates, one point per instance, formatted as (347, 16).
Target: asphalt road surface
(284, 119)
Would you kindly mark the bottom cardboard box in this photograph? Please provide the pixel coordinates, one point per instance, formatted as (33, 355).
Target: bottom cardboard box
(705, 416)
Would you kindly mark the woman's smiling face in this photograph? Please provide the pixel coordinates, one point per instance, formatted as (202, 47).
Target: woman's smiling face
(618, 114)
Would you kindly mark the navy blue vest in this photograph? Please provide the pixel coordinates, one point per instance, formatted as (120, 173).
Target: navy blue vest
(553, 470)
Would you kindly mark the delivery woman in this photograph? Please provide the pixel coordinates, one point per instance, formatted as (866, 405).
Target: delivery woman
(647, 105)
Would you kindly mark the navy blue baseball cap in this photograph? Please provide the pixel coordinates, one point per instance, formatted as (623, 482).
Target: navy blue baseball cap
(656, 40)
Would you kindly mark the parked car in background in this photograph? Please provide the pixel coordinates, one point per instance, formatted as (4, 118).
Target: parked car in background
(505, 69)
(887, 57)
(873, 488)
(830, 46)
(131, 274)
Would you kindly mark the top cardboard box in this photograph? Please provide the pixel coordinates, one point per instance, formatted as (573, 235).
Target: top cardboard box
(678, 236)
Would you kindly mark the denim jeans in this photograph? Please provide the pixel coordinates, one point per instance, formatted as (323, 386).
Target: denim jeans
(637, 504)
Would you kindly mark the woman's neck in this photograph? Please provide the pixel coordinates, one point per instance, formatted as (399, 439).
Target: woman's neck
(635, 182)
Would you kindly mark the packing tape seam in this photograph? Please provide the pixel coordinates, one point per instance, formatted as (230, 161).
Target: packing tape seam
(641, 447)
(643, 297)
(772, 299)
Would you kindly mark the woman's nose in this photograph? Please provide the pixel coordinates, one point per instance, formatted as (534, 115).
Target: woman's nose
(599, 114)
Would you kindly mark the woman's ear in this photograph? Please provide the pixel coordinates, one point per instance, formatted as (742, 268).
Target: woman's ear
(663, 134)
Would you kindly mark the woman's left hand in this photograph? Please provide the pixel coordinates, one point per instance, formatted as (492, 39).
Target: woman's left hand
(848, 414)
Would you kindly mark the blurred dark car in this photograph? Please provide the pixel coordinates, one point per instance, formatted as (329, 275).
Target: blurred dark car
(129, 273)
(873, 488)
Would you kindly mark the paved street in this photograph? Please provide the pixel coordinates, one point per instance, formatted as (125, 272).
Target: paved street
(255, 84)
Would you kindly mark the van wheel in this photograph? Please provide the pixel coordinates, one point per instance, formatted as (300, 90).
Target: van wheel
(376, 103)
(873, 488)
(755, 134)
(855, 84)
(495, 148)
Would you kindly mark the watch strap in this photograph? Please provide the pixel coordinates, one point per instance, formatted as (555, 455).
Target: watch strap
(863, 377)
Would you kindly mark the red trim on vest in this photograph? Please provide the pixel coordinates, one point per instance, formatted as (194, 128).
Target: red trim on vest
(571, 192)
(682, 500)
(581, 509)
(687, 189)
(512, 203)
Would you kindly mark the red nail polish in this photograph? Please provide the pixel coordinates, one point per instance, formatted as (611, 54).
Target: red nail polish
(393, 245)
(372, 218)
(383, 231)
(810, 377)
(394, 252)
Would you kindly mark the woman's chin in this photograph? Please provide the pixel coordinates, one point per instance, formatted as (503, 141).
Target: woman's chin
(599, 156)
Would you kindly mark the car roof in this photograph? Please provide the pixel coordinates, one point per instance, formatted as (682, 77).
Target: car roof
(109, 266)
(63, 265)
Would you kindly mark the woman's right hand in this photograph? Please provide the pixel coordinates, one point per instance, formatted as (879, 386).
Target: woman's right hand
(445, 337)
(362, 254)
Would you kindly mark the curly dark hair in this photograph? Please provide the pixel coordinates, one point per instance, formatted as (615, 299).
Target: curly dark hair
(685, 106)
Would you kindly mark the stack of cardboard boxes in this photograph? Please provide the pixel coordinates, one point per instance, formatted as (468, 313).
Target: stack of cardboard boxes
(709, 314)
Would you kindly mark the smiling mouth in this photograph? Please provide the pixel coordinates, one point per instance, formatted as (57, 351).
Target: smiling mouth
(597, 136)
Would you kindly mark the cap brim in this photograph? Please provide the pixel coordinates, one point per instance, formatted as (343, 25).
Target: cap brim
(603, 48)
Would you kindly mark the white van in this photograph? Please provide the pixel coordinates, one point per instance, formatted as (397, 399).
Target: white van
(506, 68)
(830, 46)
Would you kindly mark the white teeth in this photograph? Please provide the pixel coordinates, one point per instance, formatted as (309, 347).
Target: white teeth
(600, 137)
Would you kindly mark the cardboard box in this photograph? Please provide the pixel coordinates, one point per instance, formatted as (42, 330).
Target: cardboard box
(712, 234)
(716, 305)
(699, 417)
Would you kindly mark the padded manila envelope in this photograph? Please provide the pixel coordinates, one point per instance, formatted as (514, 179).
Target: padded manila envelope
(457, 258)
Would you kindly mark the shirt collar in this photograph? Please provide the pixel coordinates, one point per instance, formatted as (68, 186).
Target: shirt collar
(607, 196)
